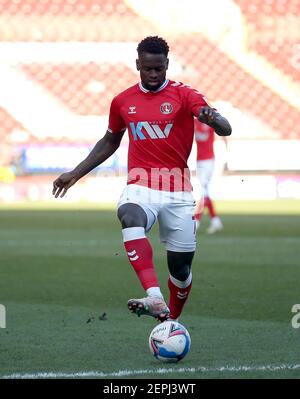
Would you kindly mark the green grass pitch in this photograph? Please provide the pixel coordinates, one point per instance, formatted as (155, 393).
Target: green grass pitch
(63, 268)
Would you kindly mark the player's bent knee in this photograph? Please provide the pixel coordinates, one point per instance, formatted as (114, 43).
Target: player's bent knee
(132, 215)
(181, 274)
(180, 264)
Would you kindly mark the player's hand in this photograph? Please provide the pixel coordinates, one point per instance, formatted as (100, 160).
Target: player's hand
(207, 115)
(62, 184)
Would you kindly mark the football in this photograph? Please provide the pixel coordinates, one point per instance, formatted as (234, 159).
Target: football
(170, 341)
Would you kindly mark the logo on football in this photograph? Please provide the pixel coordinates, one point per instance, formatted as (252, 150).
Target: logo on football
(169, 342)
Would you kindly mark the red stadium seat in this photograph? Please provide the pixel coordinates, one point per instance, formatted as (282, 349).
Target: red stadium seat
(86, 88)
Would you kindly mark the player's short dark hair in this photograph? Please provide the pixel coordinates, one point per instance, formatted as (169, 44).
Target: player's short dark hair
(153, 45)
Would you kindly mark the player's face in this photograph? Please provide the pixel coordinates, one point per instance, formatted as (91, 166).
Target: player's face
(153, 68)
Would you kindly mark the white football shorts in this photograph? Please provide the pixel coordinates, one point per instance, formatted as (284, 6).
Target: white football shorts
(205, 170)
(173, 210)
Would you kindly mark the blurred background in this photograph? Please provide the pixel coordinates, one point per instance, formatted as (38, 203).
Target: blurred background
(63, 273)
(62, 61)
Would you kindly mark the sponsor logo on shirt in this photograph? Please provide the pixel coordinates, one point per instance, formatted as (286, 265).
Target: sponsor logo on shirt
(166, 108)
(142, 130)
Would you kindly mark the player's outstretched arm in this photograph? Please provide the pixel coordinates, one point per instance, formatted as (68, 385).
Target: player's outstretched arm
(212, 118)
(102, 150)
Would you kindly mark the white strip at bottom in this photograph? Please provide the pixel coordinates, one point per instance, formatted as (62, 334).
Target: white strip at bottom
(132, 373)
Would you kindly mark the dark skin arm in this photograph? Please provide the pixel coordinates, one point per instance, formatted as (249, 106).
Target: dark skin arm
(212, 118)
(102, 150)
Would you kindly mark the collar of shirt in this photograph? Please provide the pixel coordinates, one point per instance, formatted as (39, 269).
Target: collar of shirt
(156, 91)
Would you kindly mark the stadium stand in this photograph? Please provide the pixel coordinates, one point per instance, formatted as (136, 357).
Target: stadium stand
(67, 71)
(274, 32)
(216, 75)
(81, 87)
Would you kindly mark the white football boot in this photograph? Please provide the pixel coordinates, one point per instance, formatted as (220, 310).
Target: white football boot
(149, 306)
(215, 225)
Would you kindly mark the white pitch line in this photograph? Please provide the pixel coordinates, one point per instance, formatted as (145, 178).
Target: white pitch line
(132, 373)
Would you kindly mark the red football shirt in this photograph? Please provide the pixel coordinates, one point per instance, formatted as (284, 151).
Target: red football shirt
(161, 130)
(204, 136)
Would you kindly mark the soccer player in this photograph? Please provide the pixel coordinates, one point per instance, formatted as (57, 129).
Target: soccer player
(204, 135)
(159, 116)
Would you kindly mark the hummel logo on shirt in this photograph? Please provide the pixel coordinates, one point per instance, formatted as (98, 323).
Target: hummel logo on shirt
(132, 110)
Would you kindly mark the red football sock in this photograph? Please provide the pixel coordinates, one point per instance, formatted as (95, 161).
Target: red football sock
(139, 253)
(209, 205)
(178, 295)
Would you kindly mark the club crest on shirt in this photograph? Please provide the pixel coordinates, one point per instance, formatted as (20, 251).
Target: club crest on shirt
(166, 108)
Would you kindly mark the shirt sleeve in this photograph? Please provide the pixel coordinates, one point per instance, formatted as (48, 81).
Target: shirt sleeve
(196, 100)
(116, 123)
